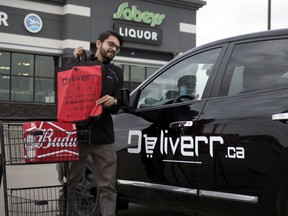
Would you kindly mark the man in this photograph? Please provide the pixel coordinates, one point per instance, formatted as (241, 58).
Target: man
(186, 86)
(101, 132)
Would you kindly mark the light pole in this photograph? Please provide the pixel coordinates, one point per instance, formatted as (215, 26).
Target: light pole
(269, 14)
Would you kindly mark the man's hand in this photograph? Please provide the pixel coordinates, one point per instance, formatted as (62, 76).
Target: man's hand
(78, 52)
(107, 101)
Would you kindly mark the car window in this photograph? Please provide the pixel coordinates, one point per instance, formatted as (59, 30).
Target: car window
(256, 66)
(187, 77)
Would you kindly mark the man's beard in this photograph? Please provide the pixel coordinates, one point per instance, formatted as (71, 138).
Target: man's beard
(107, 56)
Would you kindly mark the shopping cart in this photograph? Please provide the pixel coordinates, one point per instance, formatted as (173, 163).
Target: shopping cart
(27, 147)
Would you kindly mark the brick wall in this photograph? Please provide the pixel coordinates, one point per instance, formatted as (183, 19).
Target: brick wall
(28, 110)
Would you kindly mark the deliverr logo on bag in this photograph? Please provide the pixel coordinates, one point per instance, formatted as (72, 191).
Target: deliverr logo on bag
(82, 78)
(78, 89)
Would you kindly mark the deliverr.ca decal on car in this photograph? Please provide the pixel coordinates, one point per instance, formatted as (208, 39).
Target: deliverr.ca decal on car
(188, 145)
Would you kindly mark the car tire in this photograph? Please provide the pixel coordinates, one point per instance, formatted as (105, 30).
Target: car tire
(282, 200)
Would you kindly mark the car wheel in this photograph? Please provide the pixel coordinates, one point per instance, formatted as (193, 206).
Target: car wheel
(282, 201)
(86, 195)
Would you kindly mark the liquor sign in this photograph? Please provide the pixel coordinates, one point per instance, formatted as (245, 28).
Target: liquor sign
(50, 142)
(139, 34)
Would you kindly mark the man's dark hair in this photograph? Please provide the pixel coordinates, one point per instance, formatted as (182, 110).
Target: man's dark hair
(103, 36)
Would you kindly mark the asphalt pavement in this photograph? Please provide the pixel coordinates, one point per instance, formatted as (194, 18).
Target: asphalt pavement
(38, 175)
(21, 176)
(140, 210)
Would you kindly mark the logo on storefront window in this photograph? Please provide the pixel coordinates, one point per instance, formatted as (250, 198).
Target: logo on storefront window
(33, 23)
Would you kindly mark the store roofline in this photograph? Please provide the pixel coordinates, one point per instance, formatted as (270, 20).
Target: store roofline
(187, 4)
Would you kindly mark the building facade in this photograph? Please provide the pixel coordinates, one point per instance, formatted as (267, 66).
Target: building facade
(37, 36)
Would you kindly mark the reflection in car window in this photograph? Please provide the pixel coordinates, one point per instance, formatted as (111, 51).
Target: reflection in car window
(256, 66)
(188, 77)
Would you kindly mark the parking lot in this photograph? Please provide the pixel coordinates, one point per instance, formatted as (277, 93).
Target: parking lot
(149, 211)
(28, 176)
(45, 175)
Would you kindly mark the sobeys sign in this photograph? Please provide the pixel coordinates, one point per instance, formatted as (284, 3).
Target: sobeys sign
(133, 14)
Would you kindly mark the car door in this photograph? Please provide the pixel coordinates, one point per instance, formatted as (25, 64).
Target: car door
(249, 165)
(155, 141)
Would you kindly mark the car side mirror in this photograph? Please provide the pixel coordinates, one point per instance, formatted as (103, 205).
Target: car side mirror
(125, 98)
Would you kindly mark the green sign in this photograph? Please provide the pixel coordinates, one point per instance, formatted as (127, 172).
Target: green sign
(133, 14)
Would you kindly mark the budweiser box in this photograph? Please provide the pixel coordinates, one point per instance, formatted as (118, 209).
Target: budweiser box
(50, 142)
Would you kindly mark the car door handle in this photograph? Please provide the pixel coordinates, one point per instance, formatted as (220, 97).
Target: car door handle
(181, 124)
(280, 117)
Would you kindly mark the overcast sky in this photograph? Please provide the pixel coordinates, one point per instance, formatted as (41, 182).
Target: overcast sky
(224, 18)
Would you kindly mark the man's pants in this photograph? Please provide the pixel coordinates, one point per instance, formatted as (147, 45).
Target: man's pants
(105, 164)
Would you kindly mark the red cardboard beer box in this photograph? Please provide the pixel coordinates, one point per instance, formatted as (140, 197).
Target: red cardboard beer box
(50, 142)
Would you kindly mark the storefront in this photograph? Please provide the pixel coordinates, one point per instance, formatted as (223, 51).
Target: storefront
(36, 36)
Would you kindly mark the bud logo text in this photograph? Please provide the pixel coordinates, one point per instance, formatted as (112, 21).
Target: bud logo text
(50, 142)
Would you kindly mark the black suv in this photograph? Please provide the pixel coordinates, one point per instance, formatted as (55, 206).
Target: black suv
(208, 131)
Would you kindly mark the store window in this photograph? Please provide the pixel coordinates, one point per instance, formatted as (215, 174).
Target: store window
(44, 79)
(134, 75)
(27, 77)
(150, 71)
(4, 78)
(137, 74)
(22, 72)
